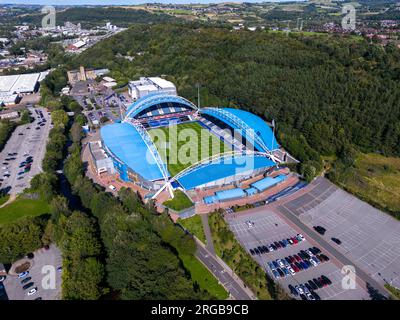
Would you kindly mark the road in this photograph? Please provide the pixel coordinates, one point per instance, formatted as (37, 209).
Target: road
(329, 248)
(24, 142)
(232, 284)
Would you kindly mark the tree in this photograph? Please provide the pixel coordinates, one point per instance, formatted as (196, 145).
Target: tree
(19, 238)
(308, 171)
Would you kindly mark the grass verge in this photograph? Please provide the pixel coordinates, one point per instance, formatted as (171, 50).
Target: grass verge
(22, 207)
(4, 199)
(179, 202)
(194, 226)
(203, 277)
(395, 292)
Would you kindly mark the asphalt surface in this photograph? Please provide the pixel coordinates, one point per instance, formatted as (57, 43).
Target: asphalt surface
(50, 258)
(230, 283)
(207, 232)
(26, 141)
(269, 227)
(332, 251)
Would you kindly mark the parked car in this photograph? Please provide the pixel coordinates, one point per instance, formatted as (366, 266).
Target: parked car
(2, 278)
(252, 252)
(312, 285)
(293, 290)
(270, 265)
(23, 281)
(23, 274)
(295, 268)
(27, 286)
(320, 230)
(299, 235)
(299, 289)
(280, 263)
(336, 240)
(318, 283)
(32, 291)
(276, 274)
(326, 280)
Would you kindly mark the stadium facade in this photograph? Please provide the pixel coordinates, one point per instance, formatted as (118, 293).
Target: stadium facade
(137, 159)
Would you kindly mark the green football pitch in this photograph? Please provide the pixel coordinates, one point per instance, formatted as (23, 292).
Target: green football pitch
(184, 144)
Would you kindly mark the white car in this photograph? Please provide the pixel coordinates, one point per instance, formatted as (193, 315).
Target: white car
(310, 296)
(23, 274)
(281, 264)
(32, 291)
(299, 289)
(310, 253)
(313, 262)
(291, 271)
(301, 237)
(112, 187)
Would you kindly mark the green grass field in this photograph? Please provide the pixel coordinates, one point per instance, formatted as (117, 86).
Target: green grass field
(194, 226)
(185, 144)
(200, 274)
(21, 208)
(179, 202)
(375, 179)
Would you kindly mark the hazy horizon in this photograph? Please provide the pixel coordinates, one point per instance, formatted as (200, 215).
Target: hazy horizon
(125, 2)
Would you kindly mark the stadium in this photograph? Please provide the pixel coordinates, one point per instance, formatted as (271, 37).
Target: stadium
(239, 145)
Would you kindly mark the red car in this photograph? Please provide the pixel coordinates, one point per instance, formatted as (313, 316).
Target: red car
(298, 259)
(294, 267)
(294, 240)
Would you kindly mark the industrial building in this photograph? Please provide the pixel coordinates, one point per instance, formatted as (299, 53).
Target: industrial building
(146, 85)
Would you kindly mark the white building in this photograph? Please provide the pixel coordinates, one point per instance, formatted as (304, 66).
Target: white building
(7, 99)
(147, 85)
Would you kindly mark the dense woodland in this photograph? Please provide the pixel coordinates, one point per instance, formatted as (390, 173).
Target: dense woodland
(330, 95)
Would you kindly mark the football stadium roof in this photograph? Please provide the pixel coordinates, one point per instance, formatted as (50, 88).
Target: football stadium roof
(220, 168)
(246, 121)
(125, 142)
(153, 99)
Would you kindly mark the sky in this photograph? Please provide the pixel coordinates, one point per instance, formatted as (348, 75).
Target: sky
(117, 2)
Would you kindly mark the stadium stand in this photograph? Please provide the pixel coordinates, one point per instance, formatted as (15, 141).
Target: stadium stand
(268, 182)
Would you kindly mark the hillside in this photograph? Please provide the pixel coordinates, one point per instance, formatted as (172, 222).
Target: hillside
(330, 96)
